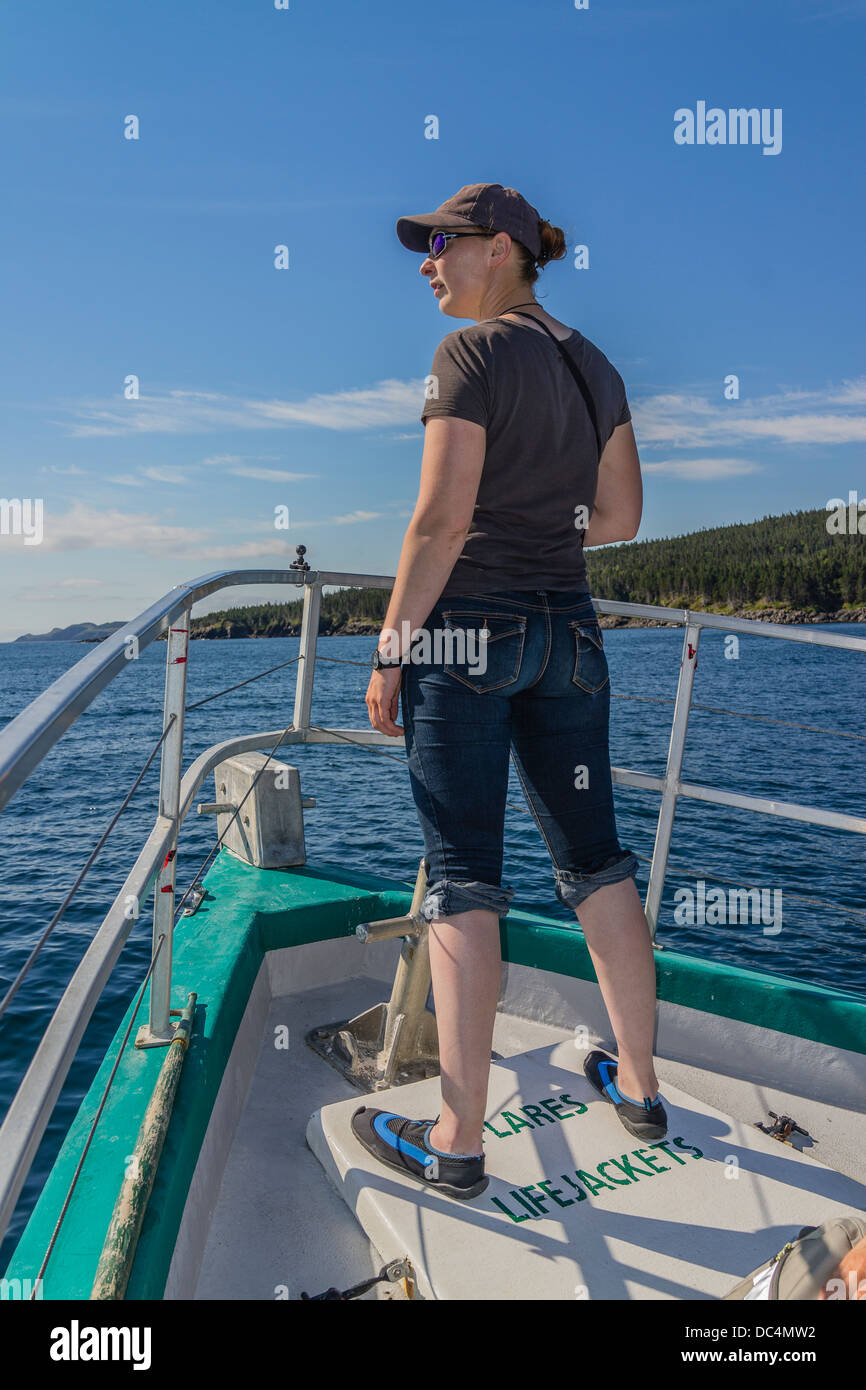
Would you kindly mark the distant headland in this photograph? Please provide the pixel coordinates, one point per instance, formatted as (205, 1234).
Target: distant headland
(781, 569)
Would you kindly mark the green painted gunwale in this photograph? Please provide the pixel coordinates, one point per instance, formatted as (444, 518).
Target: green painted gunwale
(218, 953)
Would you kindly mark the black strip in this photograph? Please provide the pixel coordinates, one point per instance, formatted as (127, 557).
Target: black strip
(575, 372)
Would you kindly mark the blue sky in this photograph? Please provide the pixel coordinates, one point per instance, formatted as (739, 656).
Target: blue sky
(302, 387)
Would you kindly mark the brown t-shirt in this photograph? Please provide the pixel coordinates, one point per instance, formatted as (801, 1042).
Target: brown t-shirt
(541, 458)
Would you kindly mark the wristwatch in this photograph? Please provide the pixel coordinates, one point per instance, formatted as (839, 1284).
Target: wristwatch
(380, 663)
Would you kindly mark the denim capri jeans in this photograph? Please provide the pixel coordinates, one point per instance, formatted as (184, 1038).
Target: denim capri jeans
(522, 674)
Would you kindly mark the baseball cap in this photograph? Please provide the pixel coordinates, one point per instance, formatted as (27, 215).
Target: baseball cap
(486, 205)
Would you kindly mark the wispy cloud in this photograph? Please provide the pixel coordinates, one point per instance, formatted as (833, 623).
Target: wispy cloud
(85, 528)
(700, 470)
(197, 412)
(394, 509)
(269, 475)
(348, 519)
(675, 420)
(850, 392)
(173, 476)
(788, 417)
(179, 476)
(88, 528)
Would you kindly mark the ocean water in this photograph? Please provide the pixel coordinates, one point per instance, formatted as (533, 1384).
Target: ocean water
(365, 817)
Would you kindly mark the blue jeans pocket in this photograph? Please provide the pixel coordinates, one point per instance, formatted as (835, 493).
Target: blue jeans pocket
(590, 663)
(483, 650)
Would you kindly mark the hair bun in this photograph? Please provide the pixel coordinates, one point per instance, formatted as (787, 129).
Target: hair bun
(553, 246)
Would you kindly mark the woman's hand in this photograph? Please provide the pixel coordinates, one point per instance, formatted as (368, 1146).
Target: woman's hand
(383, 700)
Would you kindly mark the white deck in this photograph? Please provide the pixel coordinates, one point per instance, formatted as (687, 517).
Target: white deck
(682, 1221)
(284, 1221)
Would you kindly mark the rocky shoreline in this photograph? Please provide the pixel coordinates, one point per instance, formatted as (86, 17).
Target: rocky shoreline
(357, 627)
(204, 630)
(787, 616)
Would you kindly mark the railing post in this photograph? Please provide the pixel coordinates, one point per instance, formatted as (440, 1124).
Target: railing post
(159, 1030)
(676, 749)
(307, 663)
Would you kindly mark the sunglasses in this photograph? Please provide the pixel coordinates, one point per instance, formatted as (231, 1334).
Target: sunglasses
(438, 241)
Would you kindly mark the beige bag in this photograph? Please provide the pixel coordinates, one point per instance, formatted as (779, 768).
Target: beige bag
(804, 1265)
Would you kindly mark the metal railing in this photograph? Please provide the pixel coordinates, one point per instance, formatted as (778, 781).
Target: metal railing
(29, 737)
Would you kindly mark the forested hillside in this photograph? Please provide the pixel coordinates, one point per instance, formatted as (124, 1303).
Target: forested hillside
(346, 611)
(780, 563)
(788, 560)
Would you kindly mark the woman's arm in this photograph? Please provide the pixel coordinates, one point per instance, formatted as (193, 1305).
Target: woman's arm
(619, 496)
(450, 476)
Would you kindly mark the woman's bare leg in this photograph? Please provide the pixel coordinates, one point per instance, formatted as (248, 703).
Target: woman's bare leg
(618, 936)
(466, 967)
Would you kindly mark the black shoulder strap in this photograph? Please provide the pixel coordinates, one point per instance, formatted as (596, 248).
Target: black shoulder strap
(575, 372)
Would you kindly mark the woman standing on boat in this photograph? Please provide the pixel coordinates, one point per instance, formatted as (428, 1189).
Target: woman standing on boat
(529, 457)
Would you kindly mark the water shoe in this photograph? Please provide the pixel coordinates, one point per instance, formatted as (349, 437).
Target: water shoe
(403, 1144)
